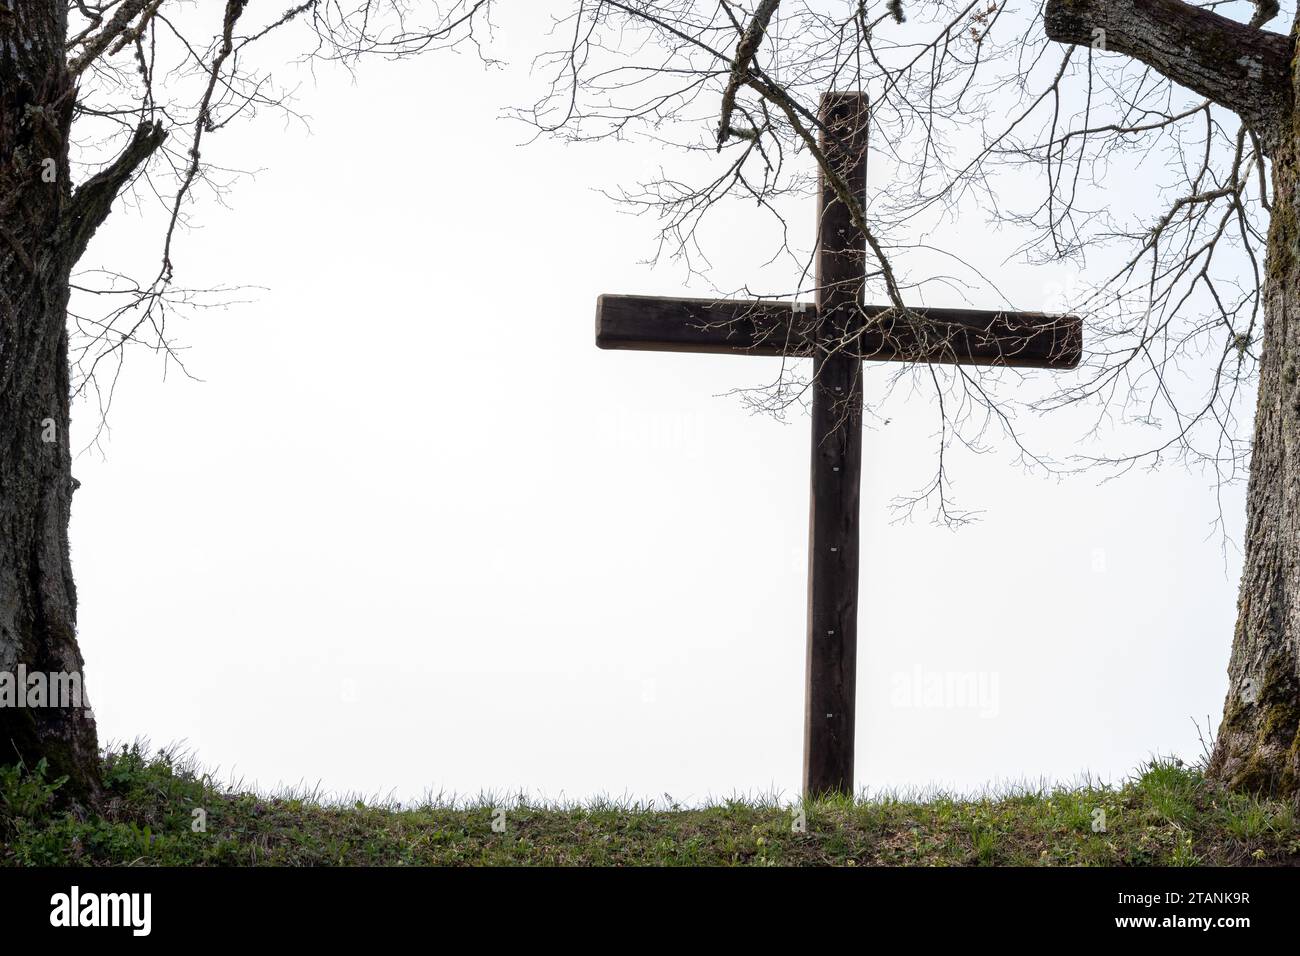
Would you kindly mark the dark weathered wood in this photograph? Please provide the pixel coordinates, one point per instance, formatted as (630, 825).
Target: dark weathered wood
(832, 652)
(973, 337)
(721, 326)
(819, 330)
(752, 327)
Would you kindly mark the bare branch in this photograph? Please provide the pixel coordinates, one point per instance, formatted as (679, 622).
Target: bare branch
(745, 50)
(118, 26)
(93, 200)
(1237, 66)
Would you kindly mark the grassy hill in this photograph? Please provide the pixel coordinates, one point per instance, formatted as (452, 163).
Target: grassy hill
(1165, 815)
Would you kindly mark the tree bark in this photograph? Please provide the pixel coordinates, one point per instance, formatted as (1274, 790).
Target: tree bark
(1252, 72)
(44, 228)
(1258, 744)
(1242, 68)
(38, 600)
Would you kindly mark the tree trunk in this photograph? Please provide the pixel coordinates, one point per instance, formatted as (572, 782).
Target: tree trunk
(1254, 73)
(1258, 744)
(38, 601)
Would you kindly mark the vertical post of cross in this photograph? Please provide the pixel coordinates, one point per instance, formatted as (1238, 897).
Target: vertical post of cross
(836, 459)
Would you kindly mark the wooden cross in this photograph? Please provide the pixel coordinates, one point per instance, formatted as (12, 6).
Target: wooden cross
(838, 332)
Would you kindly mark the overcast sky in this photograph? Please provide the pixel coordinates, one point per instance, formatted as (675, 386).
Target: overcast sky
(413, 531)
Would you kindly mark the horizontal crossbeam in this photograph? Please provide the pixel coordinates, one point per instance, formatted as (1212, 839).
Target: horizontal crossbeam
(759, 327)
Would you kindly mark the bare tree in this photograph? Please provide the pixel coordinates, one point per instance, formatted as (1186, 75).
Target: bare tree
(97, 100)
(1033, 116)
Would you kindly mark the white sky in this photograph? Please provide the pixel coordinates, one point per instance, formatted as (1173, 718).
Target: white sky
(414, 531)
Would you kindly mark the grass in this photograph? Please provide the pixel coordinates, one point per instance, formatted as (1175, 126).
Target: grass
(1166, 814)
